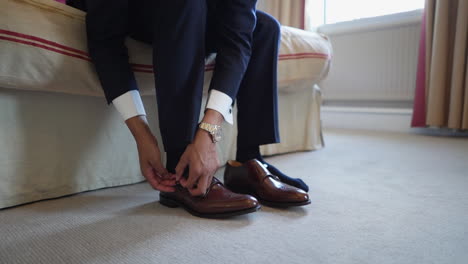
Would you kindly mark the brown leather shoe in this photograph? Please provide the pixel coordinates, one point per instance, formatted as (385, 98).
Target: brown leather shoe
(218, 202)
(254, 179)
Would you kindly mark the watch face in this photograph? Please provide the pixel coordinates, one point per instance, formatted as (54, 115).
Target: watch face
(218, 135)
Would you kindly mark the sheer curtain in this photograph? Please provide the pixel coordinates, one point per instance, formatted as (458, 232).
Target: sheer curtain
(442, 84)
(288, 12)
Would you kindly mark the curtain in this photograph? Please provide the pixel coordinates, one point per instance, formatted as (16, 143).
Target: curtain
(441, 98)
(288, 12)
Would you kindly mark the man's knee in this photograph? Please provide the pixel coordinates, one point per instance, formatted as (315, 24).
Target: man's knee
(268, 23)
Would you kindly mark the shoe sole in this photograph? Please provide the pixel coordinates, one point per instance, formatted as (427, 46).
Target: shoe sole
(282, 204)
(174, 204)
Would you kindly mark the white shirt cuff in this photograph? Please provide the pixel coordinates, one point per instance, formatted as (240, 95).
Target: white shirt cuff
(222, 103)
(129, 104)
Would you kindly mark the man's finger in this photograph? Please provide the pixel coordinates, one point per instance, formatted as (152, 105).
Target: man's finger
(161, 171)
(164, 188)
(152, 179)
(159, 185)
(183, 181)
(180, 168)
(150, 176)
(168, 182)
(202, 185)
(194, 175)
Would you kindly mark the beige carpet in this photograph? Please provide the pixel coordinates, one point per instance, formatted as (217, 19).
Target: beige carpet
(377, 198)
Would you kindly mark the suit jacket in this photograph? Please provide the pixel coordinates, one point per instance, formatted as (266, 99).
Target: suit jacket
(107, 26)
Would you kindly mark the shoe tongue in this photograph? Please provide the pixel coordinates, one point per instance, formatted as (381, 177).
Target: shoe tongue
(214, 182)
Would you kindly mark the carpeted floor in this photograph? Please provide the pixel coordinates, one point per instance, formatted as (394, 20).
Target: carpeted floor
(377, 198)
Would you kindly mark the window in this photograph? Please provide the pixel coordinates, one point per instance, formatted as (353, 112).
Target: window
(333, 11)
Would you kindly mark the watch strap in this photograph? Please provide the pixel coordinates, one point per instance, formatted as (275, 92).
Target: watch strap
(210, 128)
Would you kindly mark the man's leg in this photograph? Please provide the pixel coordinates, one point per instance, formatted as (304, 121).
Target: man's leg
(176, 30)
(179, 61)
(257, 99)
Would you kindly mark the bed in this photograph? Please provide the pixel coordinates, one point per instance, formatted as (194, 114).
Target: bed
(57, 134)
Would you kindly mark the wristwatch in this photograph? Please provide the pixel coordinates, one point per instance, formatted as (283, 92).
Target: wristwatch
(214, 130)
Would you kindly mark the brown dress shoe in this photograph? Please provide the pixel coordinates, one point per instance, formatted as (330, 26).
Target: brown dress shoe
(253, 178)
(218, 202)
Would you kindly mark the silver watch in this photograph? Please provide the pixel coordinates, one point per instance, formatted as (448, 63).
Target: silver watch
(214, 130)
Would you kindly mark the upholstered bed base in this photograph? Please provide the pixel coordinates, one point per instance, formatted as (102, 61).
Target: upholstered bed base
(54, 144)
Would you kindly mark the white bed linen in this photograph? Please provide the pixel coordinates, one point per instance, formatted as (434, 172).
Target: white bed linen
(43, 48)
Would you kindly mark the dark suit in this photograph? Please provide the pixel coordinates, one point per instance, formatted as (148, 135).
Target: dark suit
(182, 33)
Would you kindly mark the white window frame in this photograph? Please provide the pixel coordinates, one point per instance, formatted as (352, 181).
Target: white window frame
(312, 6)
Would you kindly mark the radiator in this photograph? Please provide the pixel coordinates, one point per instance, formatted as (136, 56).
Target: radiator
(375, 60)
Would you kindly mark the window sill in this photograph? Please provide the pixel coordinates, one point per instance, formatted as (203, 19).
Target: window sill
(373, 23)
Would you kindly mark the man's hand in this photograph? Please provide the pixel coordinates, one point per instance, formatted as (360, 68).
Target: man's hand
(201, 157)
(150, 156)
(203, 162)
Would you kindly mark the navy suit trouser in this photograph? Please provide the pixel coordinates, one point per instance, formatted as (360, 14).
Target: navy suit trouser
(182, 34)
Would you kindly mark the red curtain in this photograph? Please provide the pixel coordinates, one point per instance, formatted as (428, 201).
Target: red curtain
(419, 107)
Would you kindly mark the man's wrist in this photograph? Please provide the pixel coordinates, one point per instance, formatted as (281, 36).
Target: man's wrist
(212, 117)
(138, 126)
(205, 136)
